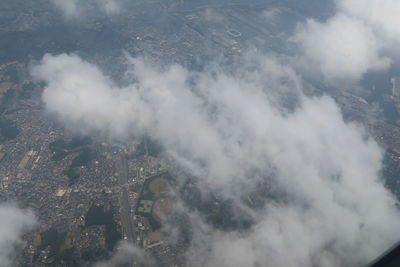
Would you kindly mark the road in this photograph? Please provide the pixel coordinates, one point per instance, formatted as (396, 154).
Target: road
(126, 219)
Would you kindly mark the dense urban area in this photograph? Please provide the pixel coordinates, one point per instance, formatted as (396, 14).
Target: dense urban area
(90, 193)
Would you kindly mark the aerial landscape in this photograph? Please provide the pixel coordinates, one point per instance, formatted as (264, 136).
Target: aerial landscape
(199, 133)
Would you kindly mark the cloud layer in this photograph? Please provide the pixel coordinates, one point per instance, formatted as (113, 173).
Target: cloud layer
(362, 36)
(13, 224)
(236, 129)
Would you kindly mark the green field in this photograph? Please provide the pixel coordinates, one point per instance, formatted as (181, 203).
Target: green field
(158, 186)
(155, 200)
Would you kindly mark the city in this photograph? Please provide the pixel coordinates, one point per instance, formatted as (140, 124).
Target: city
(90, 193)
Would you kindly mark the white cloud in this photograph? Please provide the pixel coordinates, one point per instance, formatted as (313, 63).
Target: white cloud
(362, 36)
(92, 103)
(234, 129)
(212, 16)
(69, 8)
(381, 15)
(343, 48)
(127, 253)
(13, 224)
(271, 15)
(110, 6)
(73, 9)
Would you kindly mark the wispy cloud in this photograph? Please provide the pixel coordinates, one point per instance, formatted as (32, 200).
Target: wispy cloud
(127, 253)
(73, 9)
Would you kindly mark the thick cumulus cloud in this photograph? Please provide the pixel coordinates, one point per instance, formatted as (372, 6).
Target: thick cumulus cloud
(236, 129)
(98, 103)
(362, 36)
(73, 9)
(382, 16)
(13, 224)
(343, 48)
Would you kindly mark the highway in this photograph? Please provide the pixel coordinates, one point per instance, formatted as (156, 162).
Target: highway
(126, 219)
